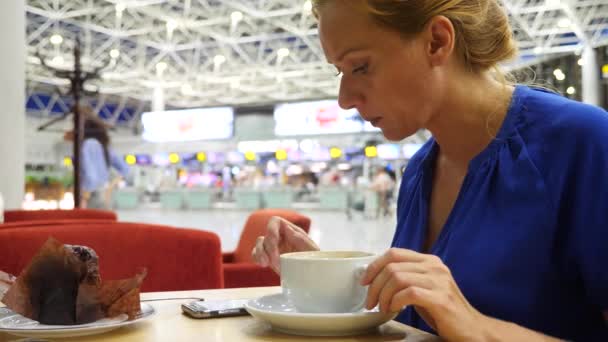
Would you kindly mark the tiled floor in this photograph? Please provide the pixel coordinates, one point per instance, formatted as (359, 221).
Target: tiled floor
(330, 230)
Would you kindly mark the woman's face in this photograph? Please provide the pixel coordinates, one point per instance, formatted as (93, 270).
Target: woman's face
(387, 78)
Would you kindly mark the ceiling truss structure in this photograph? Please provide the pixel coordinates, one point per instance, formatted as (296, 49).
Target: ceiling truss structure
(242, 52)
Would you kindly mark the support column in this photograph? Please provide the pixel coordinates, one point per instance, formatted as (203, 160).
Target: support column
(591, 77)
(12, 98)
(158, 100)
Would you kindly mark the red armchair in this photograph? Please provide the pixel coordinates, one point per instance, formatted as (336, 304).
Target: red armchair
(239, 268)
(176, 259)
(74, 214)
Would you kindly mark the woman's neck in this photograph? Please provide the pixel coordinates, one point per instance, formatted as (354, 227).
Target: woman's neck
(470, 118)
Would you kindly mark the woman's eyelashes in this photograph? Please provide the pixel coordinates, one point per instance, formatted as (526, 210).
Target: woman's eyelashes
(361, 69)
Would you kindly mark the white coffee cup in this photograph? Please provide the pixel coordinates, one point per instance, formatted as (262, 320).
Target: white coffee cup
(325, 281)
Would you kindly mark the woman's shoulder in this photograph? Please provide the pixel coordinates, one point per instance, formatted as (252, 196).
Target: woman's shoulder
(564, 139)
(91, 145)
(553, 116)
(91, 142)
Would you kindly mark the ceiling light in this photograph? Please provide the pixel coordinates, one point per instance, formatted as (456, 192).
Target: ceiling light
(558, 72)
(171, 25)
(283, 52)
(186, 89)
(161, 66)
(307, 7)
(538, 50)
(571, 90)
(564, 23)
(235, 83)
(219, 59)
(114, 53)
(120, 7)
(236, 16)
(580, 62)
(57, 60)
(56, 39)
(552, 2)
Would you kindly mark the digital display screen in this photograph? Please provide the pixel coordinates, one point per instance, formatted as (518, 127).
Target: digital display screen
(315, 118)
(188, 124)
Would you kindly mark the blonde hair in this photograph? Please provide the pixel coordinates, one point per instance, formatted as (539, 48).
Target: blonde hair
(483, 34)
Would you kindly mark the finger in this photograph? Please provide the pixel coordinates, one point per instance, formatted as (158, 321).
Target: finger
(259, 255)
(272, 241)
(392, 255)
(413, 295)
(297, 238)
(383, 277)
(294, 226)
(398, 282)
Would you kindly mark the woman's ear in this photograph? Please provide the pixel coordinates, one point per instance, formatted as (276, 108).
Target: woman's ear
(440, 40)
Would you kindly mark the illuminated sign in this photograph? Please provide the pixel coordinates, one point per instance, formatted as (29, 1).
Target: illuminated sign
(314, 118)
(188, 124)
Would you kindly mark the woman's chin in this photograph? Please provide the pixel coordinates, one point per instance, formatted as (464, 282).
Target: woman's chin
(394, 135)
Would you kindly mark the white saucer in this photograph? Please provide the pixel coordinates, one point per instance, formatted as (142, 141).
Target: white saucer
(283, 317)
(15, 324)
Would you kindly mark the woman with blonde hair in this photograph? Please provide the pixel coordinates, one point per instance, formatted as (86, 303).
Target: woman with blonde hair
(502, 216)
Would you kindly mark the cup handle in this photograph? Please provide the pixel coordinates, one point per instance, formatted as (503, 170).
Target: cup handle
(360, 271)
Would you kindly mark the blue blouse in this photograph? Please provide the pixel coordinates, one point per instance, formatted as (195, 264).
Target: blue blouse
(527, 238)
(94, 171)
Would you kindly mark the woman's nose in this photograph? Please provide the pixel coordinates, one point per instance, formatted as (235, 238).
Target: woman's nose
(347, 96)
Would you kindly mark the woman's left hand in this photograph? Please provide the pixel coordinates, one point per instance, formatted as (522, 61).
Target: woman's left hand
(403, 277)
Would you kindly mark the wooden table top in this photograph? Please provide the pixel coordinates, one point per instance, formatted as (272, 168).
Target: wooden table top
(169, 324)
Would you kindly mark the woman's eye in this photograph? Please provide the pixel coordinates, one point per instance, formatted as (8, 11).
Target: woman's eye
(360, 69)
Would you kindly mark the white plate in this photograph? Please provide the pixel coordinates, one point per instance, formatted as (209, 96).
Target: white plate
(15, 324)
(283, 317)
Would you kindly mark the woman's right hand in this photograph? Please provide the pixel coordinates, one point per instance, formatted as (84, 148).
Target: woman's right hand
(281, 237)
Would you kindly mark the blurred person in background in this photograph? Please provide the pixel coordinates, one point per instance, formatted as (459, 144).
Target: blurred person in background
(502, 215)
(383, 185)
(97, 160)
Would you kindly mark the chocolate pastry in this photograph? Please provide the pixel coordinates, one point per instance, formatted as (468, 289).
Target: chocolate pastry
(88, 256)
(62, 286)
(53, 288)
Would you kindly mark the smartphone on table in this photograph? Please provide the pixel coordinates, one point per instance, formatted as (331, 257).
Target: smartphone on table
(215, 308)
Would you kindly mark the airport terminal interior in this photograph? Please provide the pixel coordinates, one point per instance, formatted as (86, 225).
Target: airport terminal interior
(213, 111)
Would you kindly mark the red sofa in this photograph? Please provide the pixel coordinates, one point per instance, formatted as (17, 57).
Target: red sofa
(176, 258)
(74, 214)
(239, 268)
(56, 222)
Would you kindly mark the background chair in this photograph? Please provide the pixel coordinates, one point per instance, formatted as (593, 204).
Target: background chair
(176, 258)
(79, 223)
(239, 268)
(74, 214)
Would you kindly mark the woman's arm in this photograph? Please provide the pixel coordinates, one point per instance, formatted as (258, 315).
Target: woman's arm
(403, 277)
(498, 331)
